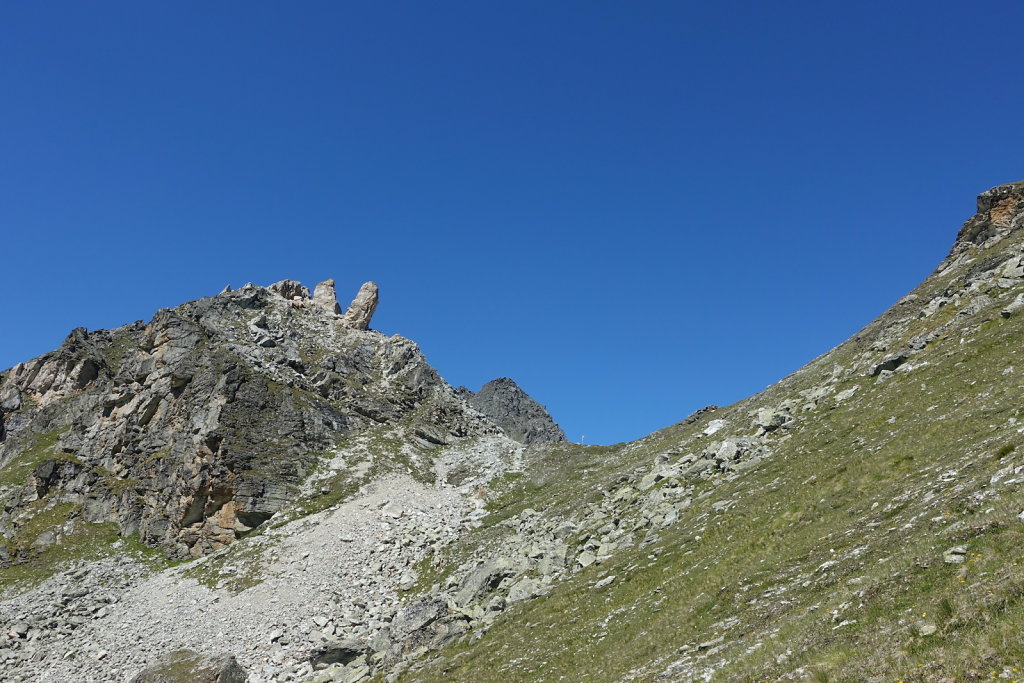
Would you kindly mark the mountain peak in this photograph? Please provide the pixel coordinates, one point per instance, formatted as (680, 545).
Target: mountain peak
(512, 409)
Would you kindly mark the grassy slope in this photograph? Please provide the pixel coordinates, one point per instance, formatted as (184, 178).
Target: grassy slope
(829, 565)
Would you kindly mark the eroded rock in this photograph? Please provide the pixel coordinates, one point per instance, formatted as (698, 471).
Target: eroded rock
(186, 666)
(289, 289)
(326, 297)
(360, 311)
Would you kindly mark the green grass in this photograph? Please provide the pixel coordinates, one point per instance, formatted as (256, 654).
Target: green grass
(84, 541)
(16, 472)
(861, 485)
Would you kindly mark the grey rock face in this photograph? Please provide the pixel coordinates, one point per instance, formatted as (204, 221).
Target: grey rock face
(186, 666)
(514, 411)
(10, 398)
(341, 651)
(197, 427)
(999, 213)
(360, 311)
(289, 289)
(485, 577)
(326, 297)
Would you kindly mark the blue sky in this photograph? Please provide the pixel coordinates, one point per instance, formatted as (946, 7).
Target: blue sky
(633, 209)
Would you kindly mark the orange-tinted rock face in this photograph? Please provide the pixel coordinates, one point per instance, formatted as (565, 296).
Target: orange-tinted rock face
(1000, 211)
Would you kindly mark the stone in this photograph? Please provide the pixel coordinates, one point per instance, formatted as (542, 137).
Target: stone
(418, 615)
(707, 645)
(1013, 268)
(1013, 307)
(10, 398)
(698, 467)
(714, 427)
(381, 640)
(955, 555)
(847, 394)
(770, 419)
(483, 579)
(728, 451)
(355, 673)
(360, 311)
(341, 651)
(289, 289)
(325, 296)
(889, 363)
(524, 589)
(606, 581)
(564, 530)
(186, 666)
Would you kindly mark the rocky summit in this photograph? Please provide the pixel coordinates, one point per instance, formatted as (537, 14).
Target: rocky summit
(512, 409)
(258, 486)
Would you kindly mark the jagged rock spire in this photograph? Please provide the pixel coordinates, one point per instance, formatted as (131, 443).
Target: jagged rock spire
(360, 311)
(326, 297)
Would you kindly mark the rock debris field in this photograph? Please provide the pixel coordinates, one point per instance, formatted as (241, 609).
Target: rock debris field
(336, 574)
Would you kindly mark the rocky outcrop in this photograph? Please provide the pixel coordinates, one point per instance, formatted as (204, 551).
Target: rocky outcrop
(326, 297)
(512, 409)
(360, 311)
(1000, 211)
(195, 428)
(290, 289)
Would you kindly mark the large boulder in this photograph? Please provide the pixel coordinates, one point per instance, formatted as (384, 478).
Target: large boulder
(341, 651)
(484, 579)
(186, 666)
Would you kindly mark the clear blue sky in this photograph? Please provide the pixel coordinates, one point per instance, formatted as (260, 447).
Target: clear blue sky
(632, 208)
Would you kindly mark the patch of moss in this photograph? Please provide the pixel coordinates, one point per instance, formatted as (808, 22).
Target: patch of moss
(84, 542)
(39, 451)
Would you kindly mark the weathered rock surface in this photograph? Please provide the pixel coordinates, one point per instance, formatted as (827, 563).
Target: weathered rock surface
(361, 310)
(290, 289)
(998, 214)
(186, 666)
(195, 428)
(512, 409)
(326, 297)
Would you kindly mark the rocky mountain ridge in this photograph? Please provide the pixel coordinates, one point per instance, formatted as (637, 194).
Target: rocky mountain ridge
(512, 409)
(858, 520)
(194, 429)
